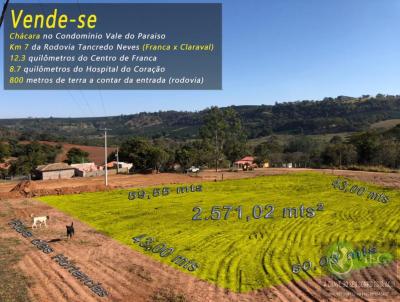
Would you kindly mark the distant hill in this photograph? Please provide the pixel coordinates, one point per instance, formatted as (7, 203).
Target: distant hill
(331, 115)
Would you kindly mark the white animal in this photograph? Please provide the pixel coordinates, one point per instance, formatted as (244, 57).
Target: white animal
(40, 220)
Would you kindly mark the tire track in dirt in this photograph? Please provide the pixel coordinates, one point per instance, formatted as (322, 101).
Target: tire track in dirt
(121, 280)
(306, 287)
(41, 271)
(324, 293)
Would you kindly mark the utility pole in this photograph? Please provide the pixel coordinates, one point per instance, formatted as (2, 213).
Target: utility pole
(216, 150)
(117, 156)
(105, 156)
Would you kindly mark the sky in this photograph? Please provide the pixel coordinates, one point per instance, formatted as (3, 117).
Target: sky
(273, 51)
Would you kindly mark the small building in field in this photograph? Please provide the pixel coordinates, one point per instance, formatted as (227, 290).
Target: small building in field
(122, 167)
(176, 167)
(246, 163)
(87, 170)
(265, 164)
(55, 171)
(287, 165)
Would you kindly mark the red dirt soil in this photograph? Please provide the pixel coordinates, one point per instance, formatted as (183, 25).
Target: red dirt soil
(96, 154)
(130, 276)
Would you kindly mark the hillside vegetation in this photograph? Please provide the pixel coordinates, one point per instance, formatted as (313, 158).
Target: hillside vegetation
(331, 115)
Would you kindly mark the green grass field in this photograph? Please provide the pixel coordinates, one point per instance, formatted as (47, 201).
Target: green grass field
(235, 253)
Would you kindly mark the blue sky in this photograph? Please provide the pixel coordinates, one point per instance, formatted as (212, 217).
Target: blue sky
(273, 51)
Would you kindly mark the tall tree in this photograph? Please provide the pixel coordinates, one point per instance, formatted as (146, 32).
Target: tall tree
(339, 154)
(269, 150)
(77, 156)
(32, 155)
(144, 154)
(158, 157)
(4, 151)
(213, 132)
(185, 156)
(388, 153)
(223, 132)
(367, 145)
(235, 136)
(136, 151)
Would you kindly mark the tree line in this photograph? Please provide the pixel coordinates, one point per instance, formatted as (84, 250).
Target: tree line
(222, 139)
(369, 148)
(26, 157)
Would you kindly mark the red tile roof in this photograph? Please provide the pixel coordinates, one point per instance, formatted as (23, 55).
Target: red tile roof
(245, 160)
(5, 166)
(54, 167)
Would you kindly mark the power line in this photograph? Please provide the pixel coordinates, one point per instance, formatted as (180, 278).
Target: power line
(3, 13)
(79, 4)
(87, 103)
(80, 90)
(102, 103)
(75, 100)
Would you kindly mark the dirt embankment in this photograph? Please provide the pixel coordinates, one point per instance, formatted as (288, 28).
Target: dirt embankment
(95, 184)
